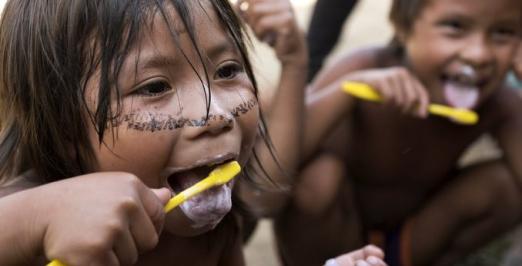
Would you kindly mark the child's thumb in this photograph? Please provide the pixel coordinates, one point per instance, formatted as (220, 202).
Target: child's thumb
(163, 195)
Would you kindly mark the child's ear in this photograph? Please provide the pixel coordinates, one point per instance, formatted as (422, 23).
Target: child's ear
(401, 34)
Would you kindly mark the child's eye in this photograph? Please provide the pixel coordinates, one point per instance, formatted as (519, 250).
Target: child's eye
(228, 70)
(154, 88)
(504, 34)
(453, 26)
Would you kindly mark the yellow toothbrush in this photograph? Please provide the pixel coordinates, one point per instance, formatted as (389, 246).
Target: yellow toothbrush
(219, 176)
(364, 91)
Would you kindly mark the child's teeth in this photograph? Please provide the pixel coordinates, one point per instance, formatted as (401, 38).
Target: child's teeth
(460, 95)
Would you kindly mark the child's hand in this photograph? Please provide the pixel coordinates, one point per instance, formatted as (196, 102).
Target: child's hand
(273, 22)
(101, 219)
(367, 256)
(397, 86)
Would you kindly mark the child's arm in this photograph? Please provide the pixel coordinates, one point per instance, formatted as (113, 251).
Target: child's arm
(273, 22)
(103, 218)
(327, 104)
(509, 133)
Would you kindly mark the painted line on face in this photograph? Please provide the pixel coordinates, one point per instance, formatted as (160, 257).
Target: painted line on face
(154, 122)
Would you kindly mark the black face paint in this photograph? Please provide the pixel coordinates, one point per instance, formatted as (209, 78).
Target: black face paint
(154, 122)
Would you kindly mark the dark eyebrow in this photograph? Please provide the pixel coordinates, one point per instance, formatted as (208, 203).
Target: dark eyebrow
(221, 47)
(157, 61)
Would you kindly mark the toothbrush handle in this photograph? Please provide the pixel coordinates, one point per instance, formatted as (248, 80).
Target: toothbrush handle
(366, 92)
(55, 263)
(362, 91)
(187, 194)
(174, 202)
(441, 110)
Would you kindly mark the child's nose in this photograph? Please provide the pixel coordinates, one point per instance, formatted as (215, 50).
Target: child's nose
(478, 52)
(219, 121)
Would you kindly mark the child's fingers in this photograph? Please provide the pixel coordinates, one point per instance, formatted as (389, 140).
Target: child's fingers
(258, 10)
(351, 258)
(372, 250)
(147, 221)
(384, 90)
(278, 23)
(153, 201)
(125, 248)
(163, 195)
(423, 98)
(269, 19)
(144, 231)
(375, 261)
(362, 263)
(398, 91)
(411, 97)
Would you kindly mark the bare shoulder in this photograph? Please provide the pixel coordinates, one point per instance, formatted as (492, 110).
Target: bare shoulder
(364, 58)
(24, 181)
(504, 106)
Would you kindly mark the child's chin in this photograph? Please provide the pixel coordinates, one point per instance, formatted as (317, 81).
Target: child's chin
(181, 225)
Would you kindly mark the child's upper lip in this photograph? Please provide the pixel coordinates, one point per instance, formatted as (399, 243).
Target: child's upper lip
(468, 75)
(208, 161)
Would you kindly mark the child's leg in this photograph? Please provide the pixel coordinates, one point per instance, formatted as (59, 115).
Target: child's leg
(321, 221)
(478, 206)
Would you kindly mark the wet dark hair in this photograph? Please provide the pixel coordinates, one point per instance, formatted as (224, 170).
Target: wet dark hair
(48, 49)
(403, 13)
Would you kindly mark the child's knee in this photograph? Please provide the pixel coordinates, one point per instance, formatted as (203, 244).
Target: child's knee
(318, 184)
(497, 193)
(506, 199)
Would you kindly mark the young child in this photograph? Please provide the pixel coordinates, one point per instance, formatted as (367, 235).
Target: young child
(404, 188)
(109, 107)
(124, 96)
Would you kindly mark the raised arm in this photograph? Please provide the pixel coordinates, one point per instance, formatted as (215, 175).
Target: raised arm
(509, 132)
(273, 21)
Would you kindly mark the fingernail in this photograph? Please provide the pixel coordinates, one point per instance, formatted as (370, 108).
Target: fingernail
(331, 262)
(361, 263)
(373, 260)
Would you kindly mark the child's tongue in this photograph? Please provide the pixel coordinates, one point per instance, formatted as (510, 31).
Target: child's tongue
(460, 95)
(190, 178)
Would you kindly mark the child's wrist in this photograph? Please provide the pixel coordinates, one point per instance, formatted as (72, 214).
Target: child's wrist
(298, 66)
(26, 214)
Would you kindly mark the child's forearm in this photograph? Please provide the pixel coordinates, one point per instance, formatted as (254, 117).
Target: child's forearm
(285, 127)
(325, 109)
(20, 240)
(285, 124)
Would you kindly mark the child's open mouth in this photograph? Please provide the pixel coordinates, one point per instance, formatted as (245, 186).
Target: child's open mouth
(462, 89)
(208, 207)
